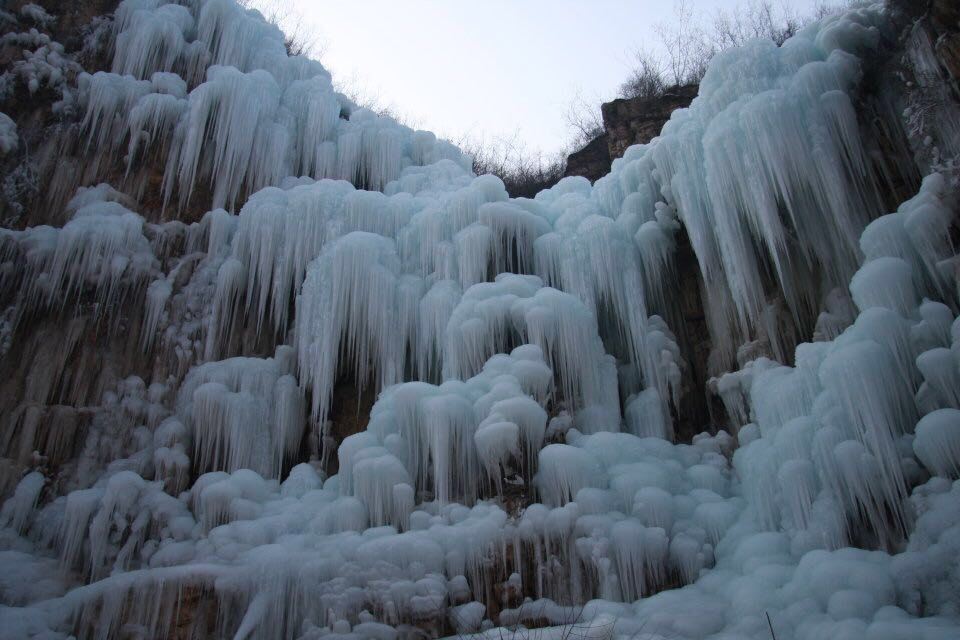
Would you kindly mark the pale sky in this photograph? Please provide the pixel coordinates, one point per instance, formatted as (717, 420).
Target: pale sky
(487, 68)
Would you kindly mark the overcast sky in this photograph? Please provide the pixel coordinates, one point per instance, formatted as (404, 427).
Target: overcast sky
(487, 68)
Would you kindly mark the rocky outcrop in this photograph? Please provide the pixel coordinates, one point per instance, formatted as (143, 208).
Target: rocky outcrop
(638, 120)
(592, 162)
(940, 19)
(626, 122)
(945, 22)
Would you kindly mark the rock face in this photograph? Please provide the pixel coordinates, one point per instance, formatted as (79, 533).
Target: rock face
(945, 21)
(638, 120)
(941, 20)
(592, 162)
(627, 121)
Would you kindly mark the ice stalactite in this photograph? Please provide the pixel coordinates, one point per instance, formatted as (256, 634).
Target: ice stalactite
(737, 182)
(158, 293)
(644, 416)
(106, 98)
(936, 442)
(349, 297)
(43, 64)
(102, 248)
(246, 94)
(16, 510)
(597, 261)
(150, 39)
(278, 233)
(9, 140)
(519, 463)
(861, 401)
(458, 438)
(518, 309)
(245, 413)
(232, 112)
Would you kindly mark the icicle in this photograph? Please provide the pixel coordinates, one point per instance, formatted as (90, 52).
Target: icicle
(496, 442)
(244, 413)
(645, 418)
(445, 435)
(235, 112)
(767, 174)
(154, 117)
(564, 471)
(436, 307)
(107, 99)
(941, 373)
(317, 112)
(158, 293)
(473, 246)
(18, 508)
(881, 409)
(382, 483)
(518, 308)
(102, 247)
(150, 39)
(514, 233)
(81, 505)
(937, 442)
(885, 282)
(349, 296)
(9, 140)
(642, 555)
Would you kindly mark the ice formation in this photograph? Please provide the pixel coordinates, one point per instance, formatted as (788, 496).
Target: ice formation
(8, 134)
(523, 358)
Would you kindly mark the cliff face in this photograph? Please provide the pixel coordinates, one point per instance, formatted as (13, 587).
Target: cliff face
(942, 21)
(627, 121)
(592, 162)
(639, 120)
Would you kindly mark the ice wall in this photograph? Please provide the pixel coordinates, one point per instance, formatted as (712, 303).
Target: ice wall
(170, 463)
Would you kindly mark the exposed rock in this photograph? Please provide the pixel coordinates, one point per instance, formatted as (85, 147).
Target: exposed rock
(638, 120)
(592, 162)
(945, 20)
(627, 121)
(694, 336)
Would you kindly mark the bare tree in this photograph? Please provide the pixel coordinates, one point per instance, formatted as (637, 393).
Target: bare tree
(687, 48)
(646, 79)
(757, 19)
(296, 38)
(584, 120)
(365, 97)
(688, 43)
(824, 8)
(524, 172)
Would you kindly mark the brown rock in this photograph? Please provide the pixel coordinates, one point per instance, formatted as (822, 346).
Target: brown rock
(639, 120)
(628, 121)
(592, 162)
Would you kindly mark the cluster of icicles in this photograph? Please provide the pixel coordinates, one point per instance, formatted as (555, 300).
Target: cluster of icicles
(518, 465)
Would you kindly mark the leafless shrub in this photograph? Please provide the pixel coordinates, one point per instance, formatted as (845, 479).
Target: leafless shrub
(688, 42)
(646, 78)
(757, 19)
(583, 119)
(297, 40)
(524, 172)
(365, 97)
